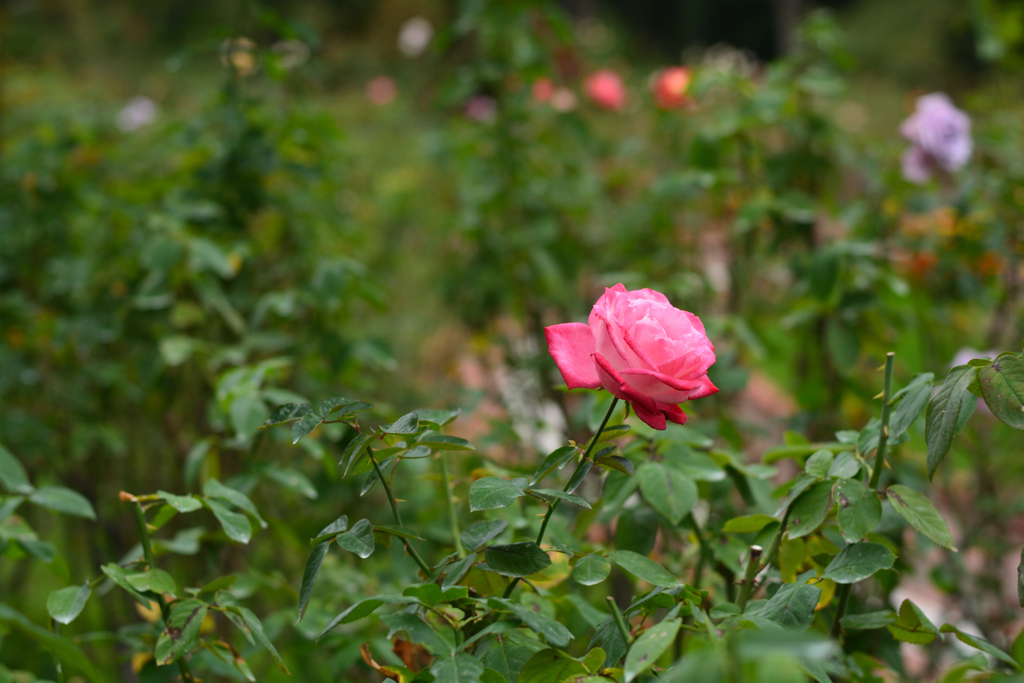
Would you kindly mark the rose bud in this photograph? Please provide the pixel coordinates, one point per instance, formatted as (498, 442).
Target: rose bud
(641, 349)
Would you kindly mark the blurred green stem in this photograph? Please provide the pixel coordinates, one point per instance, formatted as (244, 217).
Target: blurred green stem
(453, 513)
(394, 509)
(876, 477)
(583, 460)
(620, 621)
(55, 627)
(147, 551)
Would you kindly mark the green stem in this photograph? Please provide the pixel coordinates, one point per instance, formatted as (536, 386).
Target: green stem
(394, 509)
(876, 477)
(844, 599)
(453, 514)
(883, 437)
(620, 621)
(55, 627)
(579, 466)
(147, 552)
(753, 567)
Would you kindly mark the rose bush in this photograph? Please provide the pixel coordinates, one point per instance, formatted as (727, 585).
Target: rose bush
(641, 349)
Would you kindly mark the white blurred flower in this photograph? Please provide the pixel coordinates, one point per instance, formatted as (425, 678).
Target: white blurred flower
(139, 112)
(563, 100)
(290, 53)
(415, 36)
(240, 55)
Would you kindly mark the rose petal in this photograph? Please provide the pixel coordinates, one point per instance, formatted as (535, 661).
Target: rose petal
(614, 382)
(673, 413)
(653, 418)
(661, 388)
(706, 389)
(571, 345)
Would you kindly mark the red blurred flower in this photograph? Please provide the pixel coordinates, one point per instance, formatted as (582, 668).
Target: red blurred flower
(543, 89)
(671, 86)
(381, 90)
(605, 89)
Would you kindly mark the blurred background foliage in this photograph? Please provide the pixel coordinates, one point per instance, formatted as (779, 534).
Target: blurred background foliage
(208, 209)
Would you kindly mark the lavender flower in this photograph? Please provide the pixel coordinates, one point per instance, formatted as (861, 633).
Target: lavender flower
(940, 137)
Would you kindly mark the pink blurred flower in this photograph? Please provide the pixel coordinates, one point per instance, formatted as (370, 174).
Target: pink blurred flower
(563, 100)
(641, 349)
(543, 89)
(605, 89)
(940, 138)
(671, 86)
(381, 90)
(481, 108)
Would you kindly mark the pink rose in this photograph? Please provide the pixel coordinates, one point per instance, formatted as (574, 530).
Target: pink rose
(605, 89)
(670, 87)
(641, 349)
(940, 138)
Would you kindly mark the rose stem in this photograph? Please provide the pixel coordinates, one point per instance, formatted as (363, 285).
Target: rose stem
(619, 620)
(876, 476)
(147, 551)
(453, 514)
(553, 505)
(398, 518)
(759, 561)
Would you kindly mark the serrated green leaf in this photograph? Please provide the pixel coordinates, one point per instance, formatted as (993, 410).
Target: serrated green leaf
(407, 424)
(643, 568)
(668, 491)
(358, 539)
(591, 570)
(517, 559)
(915, 398)
(335, 403)
(289, 412)
(304, 426)
(214, 489)
(747, 524)
(551, 666)
(920, 514)
(182, 632)
(443, 442)
(1002, 387)
(254, 624)
(429, 594)
(555, 633)
(399, 531)
(858, 561)
(480, 532)
(942, 417)
(296, 481)
(552, 495)
(12, 474)
(616, 462)
(64, 500)
(912, 626)
(235, 525)
(792, 606)
(365, 608)
(644, 653)
(152, 580)
(68, 653)
(491, 493)
(182, 504)
(819, 463)
(119, 576)
(868, 620)
(419, 632)
(980, 643)
(456, 570)
(66, 604)
(578, 476)
(859, 509)
(845, 466)
(557, 459)
(808, 511)
(309, 576)
(462, 668)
